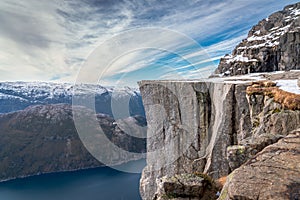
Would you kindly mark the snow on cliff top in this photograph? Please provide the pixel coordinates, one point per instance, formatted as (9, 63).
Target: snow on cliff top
(289, 86)
(286, 84)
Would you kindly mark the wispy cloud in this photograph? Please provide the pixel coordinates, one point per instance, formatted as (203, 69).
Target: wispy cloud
(47, 40)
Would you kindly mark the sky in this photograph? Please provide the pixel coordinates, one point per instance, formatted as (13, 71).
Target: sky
(122, 41)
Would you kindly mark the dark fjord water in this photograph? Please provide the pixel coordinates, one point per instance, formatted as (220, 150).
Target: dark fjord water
(93, 184)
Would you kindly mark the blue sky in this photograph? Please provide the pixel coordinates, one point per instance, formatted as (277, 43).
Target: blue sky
(51, 40)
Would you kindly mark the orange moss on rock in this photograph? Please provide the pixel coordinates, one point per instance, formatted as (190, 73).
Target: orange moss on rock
(268, 88)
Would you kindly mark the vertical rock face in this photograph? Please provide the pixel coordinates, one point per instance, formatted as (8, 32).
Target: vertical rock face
(208, 127)
(272, 45)
(190, 125)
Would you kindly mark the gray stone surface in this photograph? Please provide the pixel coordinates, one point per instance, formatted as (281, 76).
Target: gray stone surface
(192, 123)
(180, 186)
(270, 117)
(269, 123)
(273, 173)
(248, 148)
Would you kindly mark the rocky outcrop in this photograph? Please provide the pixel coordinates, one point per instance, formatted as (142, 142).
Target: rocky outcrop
(272, 45)
(273, 173)
(43, 139)
(248, 148)
(271, 119)
(211, 127)
(186, 186)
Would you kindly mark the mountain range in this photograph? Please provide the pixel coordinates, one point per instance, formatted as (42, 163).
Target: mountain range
(16, 96)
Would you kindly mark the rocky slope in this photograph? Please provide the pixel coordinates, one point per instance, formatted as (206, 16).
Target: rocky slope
(43, 139)
(203, 126)
(274, 173)
(16, 96)
(272, 45)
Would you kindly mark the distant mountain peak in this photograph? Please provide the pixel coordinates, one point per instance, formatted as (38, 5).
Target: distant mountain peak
(272, 45)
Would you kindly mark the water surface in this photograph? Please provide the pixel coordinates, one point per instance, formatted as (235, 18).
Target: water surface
(93, 184)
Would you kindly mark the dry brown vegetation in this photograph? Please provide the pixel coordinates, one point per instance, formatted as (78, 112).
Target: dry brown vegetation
(222, 180)
(268, 88)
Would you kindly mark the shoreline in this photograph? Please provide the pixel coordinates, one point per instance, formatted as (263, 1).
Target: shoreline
(66, 171)
(48, 173)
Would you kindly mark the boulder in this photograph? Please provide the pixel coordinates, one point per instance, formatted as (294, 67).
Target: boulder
(186, 187)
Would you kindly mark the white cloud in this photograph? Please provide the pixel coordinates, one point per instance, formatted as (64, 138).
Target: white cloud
(31, 40)
(41, 40)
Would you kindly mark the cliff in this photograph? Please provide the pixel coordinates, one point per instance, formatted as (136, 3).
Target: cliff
(196, 126)
(272, 45)
(189, 127)
(241, 127)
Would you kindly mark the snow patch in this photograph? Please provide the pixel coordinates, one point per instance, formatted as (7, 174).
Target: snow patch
(257, 32)
(9, 97)
(296, 12)
(288, 86)
(239, 58)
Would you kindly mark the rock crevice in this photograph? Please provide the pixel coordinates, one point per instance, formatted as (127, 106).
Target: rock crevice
(190, 125)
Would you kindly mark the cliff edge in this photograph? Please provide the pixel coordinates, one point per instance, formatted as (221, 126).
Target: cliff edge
(203, 132)
(210, 127)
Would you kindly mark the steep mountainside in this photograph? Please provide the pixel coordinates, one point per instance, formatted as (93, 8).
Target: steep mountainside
(210, 127)
(19, 95)
(43, 139)
(272, 45)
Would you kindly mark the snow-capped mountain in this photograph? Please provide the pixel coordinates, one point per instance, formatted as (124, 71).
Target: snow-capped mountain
(272, 45)
(19, 95)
